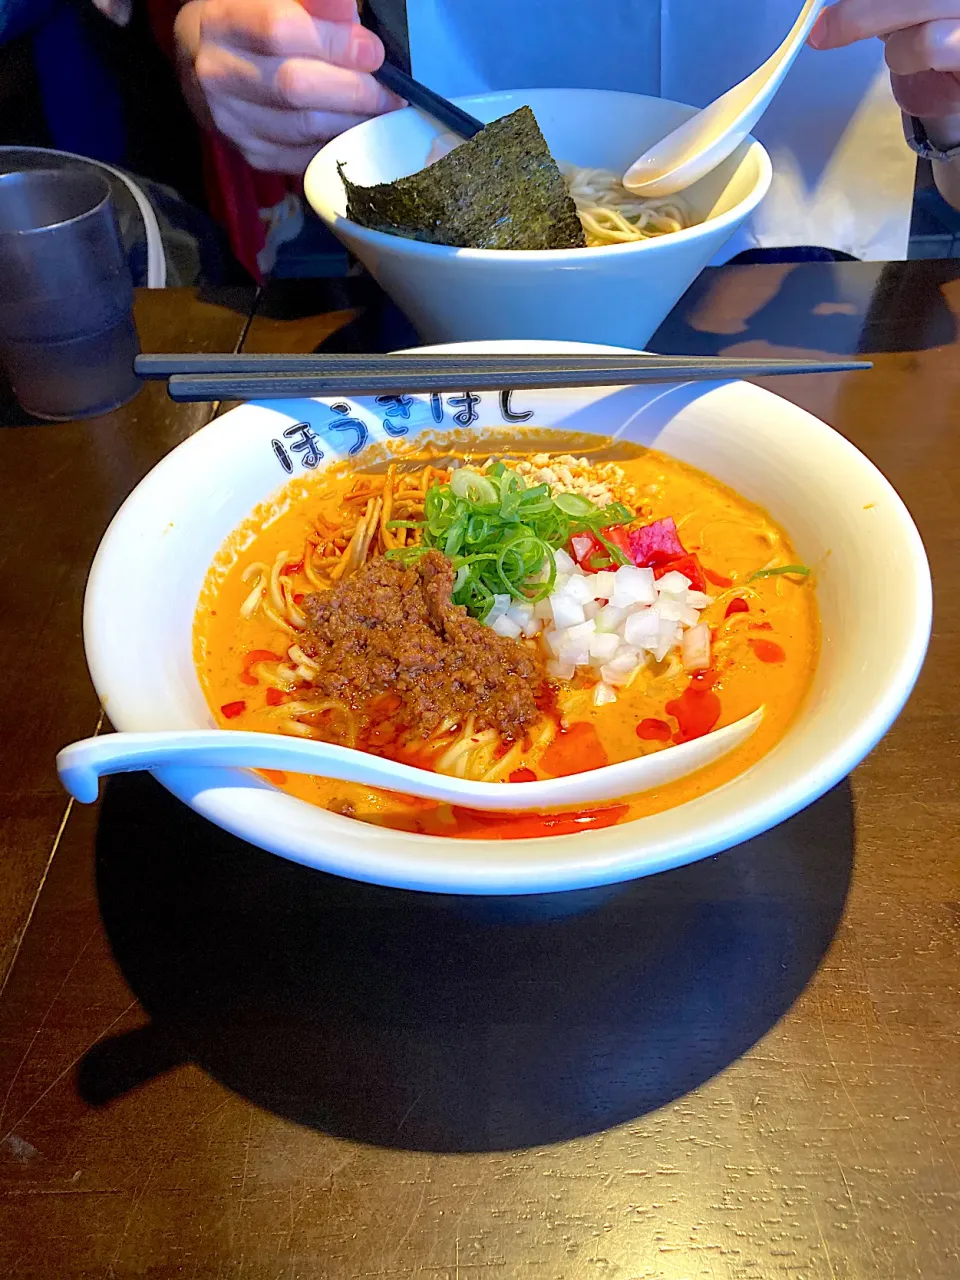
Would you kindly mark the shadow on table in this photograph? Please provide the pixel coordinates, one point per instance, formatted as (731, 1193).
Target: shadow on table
(11, 413)
(841, 308)
(443, 1023)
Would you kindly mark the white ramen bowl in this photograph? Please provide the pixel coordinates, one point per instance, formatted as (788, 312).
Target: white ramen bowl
(873, 588)
(618, 294)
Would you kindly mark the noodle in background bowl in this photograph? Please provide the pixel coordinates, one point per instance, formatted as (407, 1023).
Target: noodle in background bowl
(844, 518)
(618, 294)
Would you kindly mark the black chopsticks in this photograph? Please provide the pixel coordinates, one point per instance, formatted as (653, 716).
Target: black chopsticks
(441, 109)
(195, 378)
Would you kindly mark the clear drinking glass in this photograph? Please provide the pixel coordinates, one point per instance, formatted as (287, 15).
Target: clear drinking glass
(67, 334)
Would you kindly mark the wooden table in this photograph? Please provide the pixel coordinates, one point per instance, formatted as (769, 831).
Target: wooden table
(214, 1063)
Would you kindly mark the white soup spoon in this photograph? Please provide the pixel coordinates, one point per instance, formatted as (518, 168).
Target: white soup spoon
(708, 138)
(83, 764)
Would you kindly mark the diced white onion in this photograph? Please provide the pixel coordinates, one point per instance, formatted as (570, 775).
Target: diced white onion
(695, 648)
(576, 654)
(666, 640)
(642, 628)
(643, 616)
(524, 616)
(698, 600)
(673, 610)
(604, 645)
(520, 613)
(627, 659)
(583, 545)
(564, 562)
(566, 612)
(499, 607)
(668, 608)
(581, 633)
(610, 618)
(554, 639)
(673, 584)
(505, 626)
(633, 586)
(603, 584)
(618, 679)
(603, 694)
(688, 617)
(560, 671)
(579, 589)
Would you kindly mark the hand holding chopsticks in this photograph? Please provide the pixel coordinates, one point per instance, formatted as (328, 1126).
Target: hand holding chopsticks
(196, 378)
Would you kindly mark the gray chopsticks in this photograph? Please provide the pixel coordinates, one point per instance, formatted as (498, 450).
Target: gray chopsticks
(194, 378)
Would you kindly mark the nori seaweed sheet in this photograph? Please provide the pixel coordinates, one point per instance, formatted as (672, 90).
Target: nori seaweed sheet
(501, 189)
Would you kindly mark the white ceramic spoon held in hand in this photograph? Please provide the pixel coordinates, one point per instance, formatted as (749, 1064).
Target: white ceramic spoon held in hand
(708, 138)
(83, 764)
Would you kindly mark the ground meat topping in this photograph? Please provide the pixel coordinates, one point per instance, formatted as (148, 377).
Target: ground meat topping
(391, 629)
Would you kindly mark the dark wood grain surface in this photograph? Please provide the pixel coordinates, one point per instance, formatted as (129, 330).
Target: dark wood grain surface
(217, 1064)
(60, 484)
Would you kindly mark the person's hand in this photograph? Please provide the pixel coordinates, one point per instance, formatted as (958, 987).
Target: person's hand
(922, 38)
(277, 77)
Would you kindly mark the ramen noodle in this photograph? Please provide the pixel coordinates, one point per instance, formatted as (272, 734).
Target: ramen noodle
(611, 214)
(506, 619)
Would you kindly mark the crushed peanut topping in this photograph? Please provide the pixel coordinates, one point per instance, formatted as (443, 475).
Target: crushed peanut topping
(601, 484)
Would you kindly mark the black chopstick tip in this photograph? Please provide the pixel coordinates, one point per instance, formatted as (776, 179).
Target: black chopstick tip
(419, 95)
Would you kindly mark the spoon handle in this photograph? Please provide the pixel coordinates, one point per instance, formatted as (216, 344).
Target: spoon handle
(797, 36)
(82, 764)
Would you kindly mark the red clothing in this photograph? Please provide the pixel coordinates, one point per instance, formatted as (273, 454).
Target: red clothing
(243, 200)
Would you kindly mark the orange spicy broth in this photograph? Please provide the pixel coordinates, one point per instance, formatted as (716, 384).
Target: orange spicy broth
(765, 641)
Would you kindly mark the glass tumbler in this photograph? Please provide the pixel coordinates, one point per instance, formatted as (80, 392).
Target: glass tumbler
(67, 334)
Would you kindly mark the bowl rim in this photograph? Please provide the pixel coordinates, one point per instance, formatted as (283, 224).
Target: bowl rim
(730, 220)
(387, 857)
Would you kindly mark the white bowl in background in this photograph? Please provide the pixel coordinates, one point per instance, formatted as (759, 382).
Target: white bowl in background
(873, 588)
(616, 294)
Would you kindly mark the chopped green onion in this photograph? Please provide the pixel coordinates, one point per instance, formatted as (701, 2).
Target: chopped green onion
(795, 570)
(617, 513)
(476, 488)
(617, 556)
(572, 504)
(500, 535)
